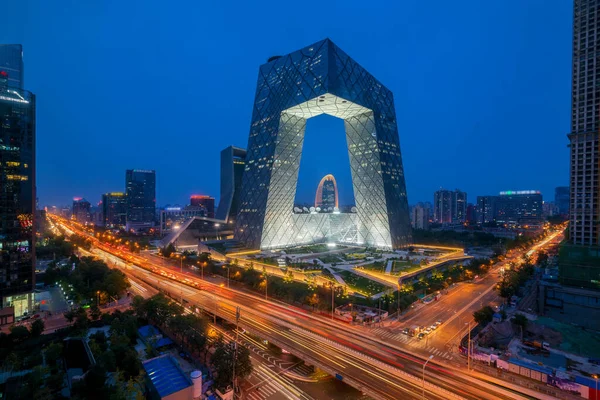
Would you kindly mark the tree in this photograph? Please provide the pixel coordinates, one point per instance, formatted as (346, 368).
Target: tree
(53, 353)
(484, 316)
(522, 321)
(313, 300)
(70, 315)
(18, 333)
(168, 250)
(95, 312)
(222, 360)
(37, 327)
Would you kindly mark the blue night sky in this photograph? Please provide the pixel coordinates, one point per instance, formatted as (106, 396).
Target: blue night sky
(482, 89)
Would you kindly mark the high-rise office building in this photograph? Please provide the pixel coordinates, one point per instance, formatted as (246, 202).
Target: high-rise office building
(486, 209)
(420, 216)
(449, 207)
(207, 202)
(326, 197)
(141, 198)
(519, 207)
(114, 210)
(81, 210)
(11, 63)
(322, 79)
(17, 184)
(562, 198)
(233, 161)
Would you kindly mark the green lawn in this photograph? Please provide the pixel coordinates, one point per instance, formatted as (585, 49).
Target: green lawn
(330, 258)
(361, 284)
(404, 267)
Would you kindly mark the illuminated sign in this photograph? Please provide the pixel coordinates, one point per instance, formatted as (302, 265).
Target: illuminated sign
(511, 192)
(4, 74)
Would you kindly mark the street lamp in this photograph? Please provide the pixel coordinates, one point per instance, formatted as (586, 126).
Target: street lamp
(217, 231)
(227, 273)
(332, 300)
(469, 347)
(98, 298)
(181, 264)
(596, 379)
(424, 365)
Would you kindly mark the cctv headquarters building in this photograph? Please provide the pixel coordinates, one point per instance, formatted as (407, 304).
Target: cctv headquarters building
(322, 79)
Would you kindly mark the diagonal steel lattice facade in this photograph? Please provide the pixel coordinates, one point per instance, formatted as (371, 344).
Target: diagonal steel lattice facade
(322, 79)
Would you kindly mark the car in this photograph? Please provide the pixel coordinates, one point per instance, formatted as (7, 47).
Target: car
(433, 327)
(438, 322)
(420, 336)
(427, 331)
(405, 331)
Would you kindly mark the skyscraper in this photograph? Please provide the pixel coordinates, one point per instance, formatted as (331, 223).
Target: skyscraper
(322, 79)
(449, 207)
(233, 161)
(562, 199)
(141, 198)
(11, 62)
(81, 210)
(114, 209)
(17, 185)
(198, 200)
(579, 261)
(585, 101)
(326, 197)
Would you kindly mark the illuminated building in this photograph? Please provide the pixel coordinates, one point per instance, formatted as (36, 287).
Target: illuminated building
(486, 209)
(172, 218)
(141, 198)
(207, 202)
(449, 207)
(17, 184)
(114, 210)
(519, 207)
(327, 194)
(81, 210)
(233, 161)
(322, 79)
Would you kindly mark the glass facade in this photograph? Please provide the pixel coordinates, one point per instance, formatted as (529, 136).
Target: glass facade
(11, 63)
(322, 79)
(17, 190)
(233, 162)
(141, 198)
(81, 210)
(114, 209)
(206, 202)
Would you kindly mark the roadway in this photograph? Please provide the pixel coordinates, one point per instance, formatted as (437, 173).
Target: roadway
(377, 368)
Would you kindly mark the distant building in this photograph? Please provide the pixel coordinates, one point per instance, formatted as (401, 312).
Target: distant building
(141, 198)
(486, 209)
(450, 207)
(233, 161)
(114, 210)
(562, 197)
(174, 217)
(206, 202)
(519, 207)
(81, 210)
(420, 216)
(549, 209)
(326, 197)
(11, 62)
(17, 187)
(471, 217)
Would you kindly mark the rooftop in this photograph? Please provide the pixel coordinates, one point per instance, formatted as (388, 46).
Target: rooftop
(165, 375)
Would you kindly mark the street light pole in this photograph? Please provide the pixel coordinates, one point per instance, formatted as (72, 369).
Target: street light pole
(237, 333)
(398, 301)
(98, 298)
(469, 348)
(332, 300)
(424, 365)
(266, 285)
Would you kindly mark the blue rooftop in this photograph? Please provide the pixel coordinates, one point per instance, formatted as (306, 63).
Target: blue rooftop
(162, 342)
(147, 331)
(165, 375)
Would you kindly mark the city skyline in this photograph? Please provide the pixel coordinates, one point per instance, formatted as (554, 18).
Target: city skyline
(470, 117)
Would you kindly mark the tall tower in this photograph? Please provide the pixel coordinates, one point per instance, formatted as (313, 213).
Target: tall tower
(585, 103)
(17, 183)
(141, 198)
